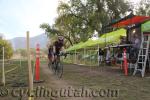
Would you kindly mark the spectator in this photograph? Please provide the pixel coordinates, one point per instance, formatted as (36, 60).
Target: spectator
(136, 46)
(100, 55)
(137, 43)
(122, 40)
(108, 56)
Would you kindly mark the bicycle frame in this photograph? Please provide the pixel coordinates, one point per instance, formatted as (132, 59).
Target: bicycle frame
(57, 67)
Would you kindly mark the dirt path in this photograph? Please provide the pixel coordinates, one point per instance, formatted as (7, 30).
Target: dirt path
(130, 87)
(107, 77)
(53, 82)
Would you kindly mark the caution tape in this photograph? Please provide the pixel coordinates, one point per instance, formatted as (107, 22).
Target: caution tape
(11, 70)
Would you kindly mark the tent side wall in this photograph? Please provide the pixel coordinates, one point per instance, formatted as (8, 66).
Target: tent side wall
(146, 27)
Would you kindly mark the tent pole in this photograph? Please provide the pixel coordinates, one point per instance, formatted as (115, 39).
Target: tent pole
(84, 55)
(105, 47)
(90, 60)
(98, 55)
(75, 57)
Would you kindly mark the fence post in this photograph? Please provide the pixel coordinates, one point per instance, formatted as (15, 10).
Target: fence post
(90, 60)
(3, 68)
(29, 69)
(20, 63)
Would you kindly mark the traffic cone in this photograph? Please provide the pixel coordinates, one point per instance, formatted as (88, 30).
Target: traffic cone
(125, 63)
(37, 69)
(37, 65)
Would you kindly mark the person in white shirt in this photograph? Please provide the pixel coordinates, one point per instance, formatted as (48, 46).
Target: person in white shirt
(136, 46)
(108, 56)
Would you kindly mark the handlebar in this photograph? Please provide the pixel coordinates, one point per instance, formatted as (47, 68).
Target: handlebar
(65, 54)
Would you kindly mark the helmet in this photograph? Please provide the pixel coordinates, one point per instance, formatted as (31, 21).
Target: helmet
(60, 38)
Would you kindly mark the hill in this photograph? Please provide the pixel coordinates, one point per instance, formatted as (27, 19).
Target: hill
(20, 42)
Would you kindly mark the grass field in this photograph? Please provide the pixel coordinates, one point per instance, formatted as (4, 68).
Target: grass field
(16, 77)
(130, 87)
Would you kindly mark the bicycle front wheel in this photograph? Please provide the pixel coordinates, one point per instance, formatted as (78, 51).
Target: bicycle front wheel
(59, 70)
(51, 66)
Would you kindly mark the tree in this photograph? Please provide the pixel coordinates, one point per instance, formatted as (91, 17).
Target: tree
(78, 19)
(144, 8)
(8, 49)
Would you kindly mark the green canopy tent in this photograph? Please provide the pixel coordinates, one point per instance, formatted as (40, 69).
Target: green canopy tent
(146, 27)
(108, 38)
(92, 45)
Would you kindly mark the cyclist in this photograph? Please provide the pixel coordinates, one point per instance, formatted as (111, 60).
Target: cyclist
(50, 54)
(56, 48)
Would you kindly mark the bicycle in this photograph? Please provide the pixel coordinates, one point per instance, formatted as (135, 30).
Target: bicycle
(57, 66)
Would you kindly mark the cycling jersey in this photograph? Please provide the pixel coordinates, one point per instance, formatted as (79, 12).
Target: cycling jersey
(50, 51)
(58, 45)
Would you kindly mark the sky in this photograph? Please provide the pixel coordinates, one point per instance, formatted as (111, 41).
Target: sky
(19, 16)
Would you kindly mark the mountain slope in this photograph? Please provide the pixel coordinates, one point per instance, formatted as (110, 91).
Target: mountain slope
(20, 42)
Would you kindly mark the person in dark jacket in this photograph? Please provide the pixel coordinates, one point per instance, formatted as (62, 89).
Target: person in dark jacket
(100, 55)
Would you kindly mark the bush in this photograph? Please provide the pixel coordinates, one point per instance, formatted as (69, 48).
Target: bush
(8, 49)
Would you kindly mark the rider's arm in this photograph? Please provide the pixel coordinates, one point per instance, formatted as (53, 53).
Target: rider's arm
(54, 48)
(63, 48)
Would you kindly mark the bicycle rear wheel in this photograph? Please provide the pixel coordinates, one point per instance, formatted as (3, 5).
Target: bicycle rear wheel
(51, 67)
(59, 69)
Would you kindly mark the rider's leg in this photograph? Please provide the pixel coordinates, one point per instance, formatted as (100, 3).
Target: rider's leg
(54, 60)
(50, 58)
(55, 57)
